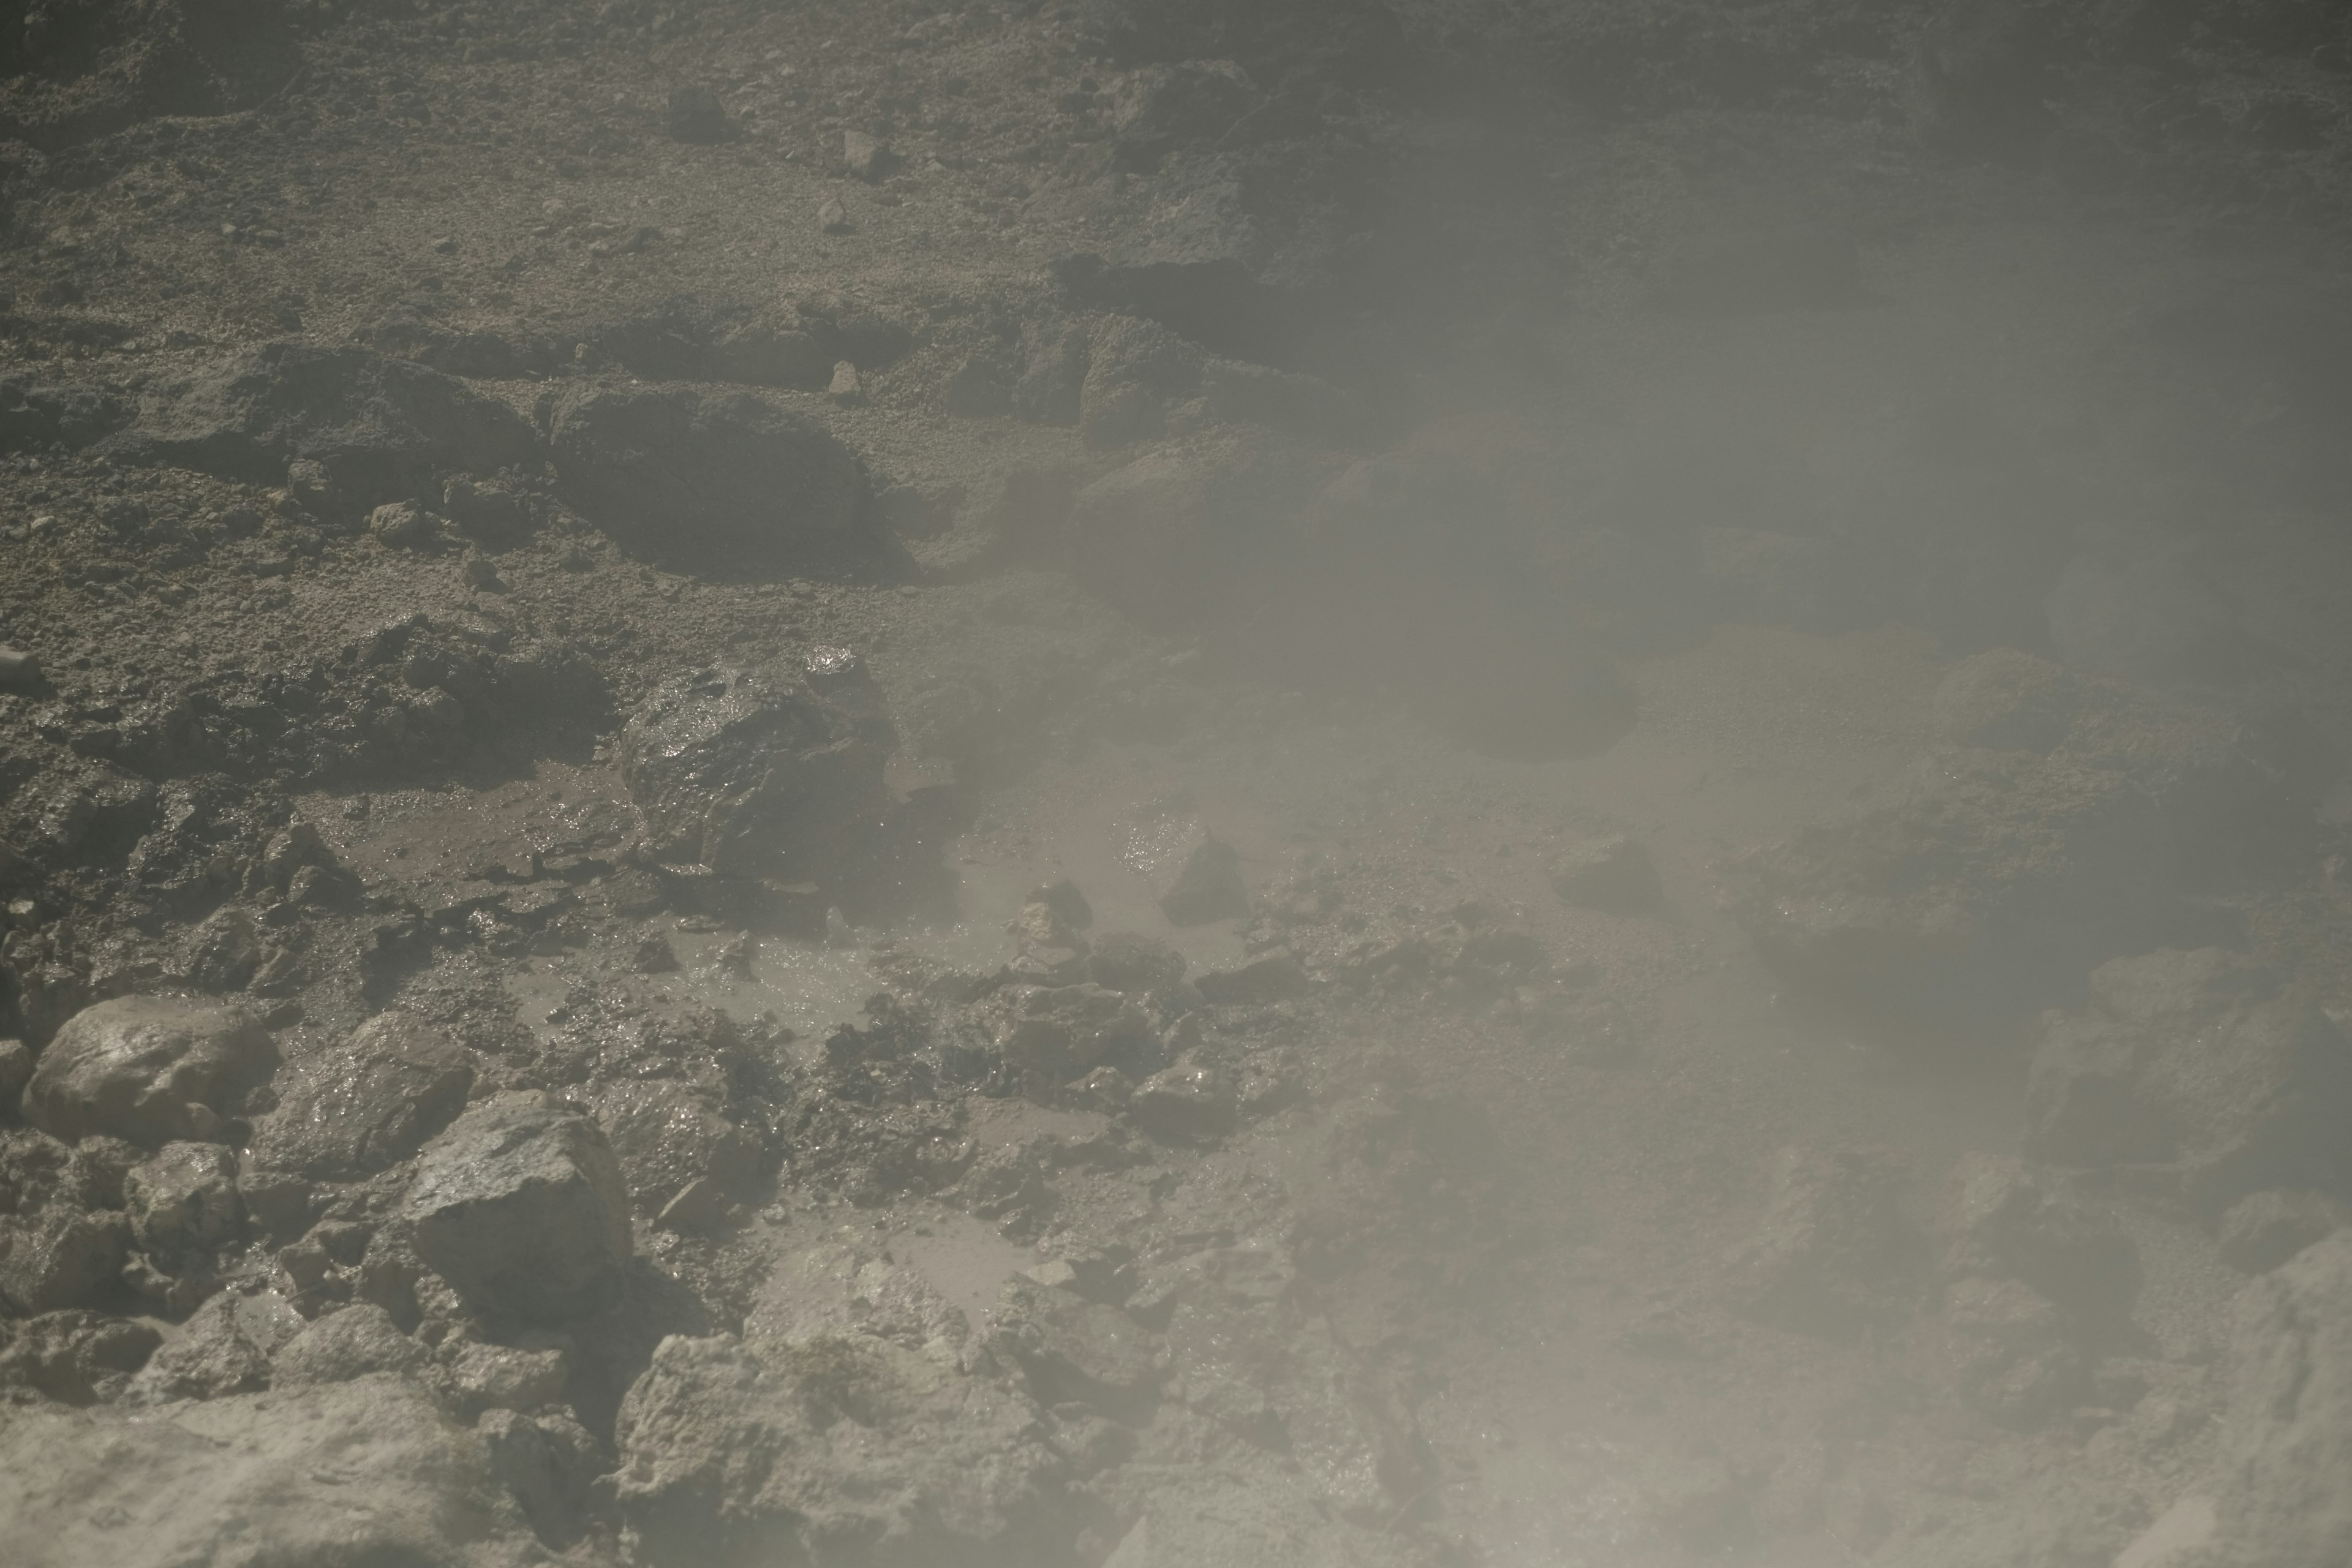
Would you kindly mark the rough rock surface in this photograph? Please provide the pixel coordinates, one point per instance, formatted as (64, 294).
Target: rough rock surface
(354, 1109)
(751, 773)
(382, 429)
(356, 1474)
(520, 1205)
(713, 479)
(2287, 1436)
(847, 1449)
(2202, 1061)
(149, 1069)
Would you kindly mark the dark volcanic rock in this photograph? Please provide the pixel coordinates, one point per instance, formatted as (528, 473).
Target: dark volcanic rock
(354, 1109)
(755, 772)
(520, 1206)
(712, 480)
(149, 1069)
(383, 429)
(184, 1202)
(359, 1339)
(2200, 1060)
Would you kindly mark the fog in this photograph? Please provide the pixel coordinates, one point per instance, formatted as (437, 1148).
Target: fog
(1175, 783)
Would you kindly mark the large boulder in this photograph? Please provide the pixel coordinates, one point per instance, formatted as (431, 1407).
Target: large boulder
(756, 773)
(2203, 1060)
(345, 1476)
(705, 479)
(2059, 822)
(842, 1450)
(150, 1069)
(520, 1206)
(351, 1109)
(382, 429)
(2286, 1442)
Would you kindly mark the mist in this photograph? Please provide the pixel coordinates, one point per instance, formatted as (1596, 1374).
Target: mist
(1175, 783)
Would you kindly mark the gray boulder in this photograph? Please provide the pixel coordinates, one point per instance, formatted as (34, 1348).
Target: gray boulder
(668, 1134)
(520, 1206)
(61, 1255)
(184, 1202)
(344, 1475)
(755, 772)
(357, 1341)
(149, 1069)
(2286, 1442)
(711, 479)
(842, 1450)
(381, 429)
(224, 1348)
(2203, 1061)
(844, 1286)
(351, 1109)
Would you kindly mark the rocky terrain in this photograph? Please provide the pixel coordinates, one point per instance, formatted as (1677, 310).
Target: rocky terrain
(1340, 784)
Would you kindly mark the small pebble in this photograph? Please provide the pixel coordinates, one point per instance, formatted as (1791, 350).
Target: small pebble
(19, 672)
(833, 217)
(845, 386)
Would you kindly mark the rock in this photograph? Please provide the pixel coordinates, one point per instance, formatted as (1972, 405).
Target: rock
(832, 217)
(1274, 977)
(15, 1069)
(1191, 1102)
(519, 1205)
(485, 1377)
(1615, 874)
(1792, 267)
(1052, 386)
(1161, 108)
(2011, 1358)
(149, 1069)
(224, 951)
(1833, 1250)
(1209, 887)
(697, 117)
(845, 388)
(1998, 876)
(845, 1286)
(20, 671)
(184, 1203)
(362, 1472)
(1139, 965)
(547, 1462)
(1062, 1031)
(868, 158)
(402, 525)
(489, 511)
(2263, 1230)
(358, 1341)
(224, 1348)
(2006, 701)
(756, 773)
(352, 1110)
(75, 1357)
(2202, 1061)
(380, 429)
(846, 1450)
(1050, 951)
(62, 1256)
(668, 1134)
(718, 479)
(1077, 1351)
(1998, 1221)
(2286, 1437)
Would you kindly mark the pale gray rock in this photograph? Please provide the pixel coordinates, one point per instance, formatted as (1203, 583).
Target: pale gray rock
(149, 1069)
(354, 1109)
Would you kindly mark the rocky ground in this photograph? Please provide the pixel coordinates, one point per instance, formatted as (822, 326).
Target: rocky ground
(1447, 783)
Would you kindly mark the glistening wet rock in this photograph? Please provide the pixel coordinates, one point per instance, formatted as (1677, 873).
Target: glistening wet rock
(351, 1109)
(520, 1206)
(149, 1069)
